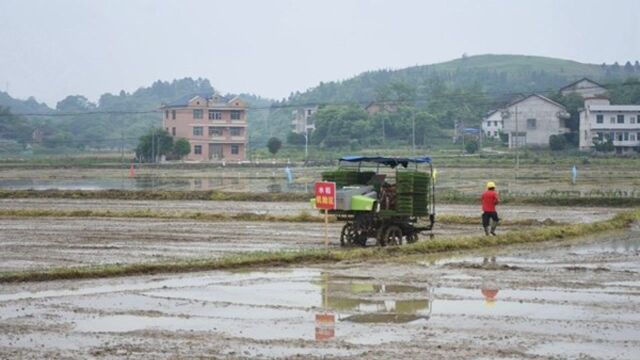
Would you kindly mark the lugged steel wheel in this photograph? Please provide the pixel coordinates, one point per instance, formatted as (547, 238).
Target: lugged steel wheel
(412, 238)
(393, 235)
(348, 235)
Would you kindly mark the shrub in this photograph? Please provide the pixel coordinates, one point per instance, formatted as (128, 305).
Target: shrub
(557, 142)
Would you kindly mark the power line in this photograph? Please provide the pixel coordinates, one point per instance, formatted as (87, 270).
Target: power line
(410, 100)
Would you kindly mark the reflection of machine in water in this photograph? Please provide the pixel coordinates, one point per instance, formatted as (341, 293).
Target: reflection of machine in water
(374, 302)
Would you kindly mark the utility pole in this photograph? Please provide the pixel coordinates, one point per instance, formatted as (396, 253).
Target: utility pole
(517, 145)
(383, 134)
(306, 145)
(461, 124)
(413, 131)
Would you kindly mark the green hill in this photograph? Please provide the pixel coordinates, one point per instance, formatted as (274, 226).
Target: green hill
(479, 83)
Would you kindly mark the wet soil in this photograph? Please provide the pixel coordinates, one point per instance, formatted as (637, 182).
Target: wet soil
(576, 300)
(44, 242)
(512, 212)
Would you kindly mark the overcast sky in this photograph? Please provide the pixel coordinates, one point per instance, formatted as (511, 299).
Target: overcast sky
(50, 49)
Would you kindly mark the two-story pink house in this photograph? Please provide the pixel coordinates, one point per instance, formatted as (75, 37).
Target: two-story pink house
(215, 126)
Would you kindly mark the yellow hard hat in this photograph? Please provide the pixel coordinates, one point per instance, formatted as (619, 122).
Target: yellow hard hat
(491, 184)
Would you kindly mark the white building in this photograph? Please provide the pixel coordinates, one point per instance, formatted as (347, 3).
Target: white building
(601, 121)
(586, 88)
(530, 121)
(492, 124)
(303, 120)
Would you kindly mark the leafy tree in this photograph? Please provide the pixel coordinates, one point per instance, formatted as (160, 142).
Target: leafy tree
(557, 142)
(75, 103)
(294, 138)
(471, 145)
(604, 146)
(156, 142)
(274, 144)
(13, 127)
(181, 148)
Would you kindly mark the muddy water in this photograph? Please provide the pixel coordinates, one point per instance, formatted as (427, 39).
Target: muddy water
(570, 300)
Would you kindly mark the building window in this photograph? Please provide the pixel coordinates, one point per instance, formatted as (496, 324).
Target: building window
(626, 136)
(495, 123)
(197, 113)
(600, 136)
(620, 119)
(197, 149)
(166, 114)
(173, 114)
(619, 136)
(235, 149)
(215, 131)
(215, 115)
(173, 131)
(197, 131)
(612, 120)
(632, 137)
(236, 115)
(632, 119)
(495, 133)
(599, 119)
(531, 123)
(236, 131)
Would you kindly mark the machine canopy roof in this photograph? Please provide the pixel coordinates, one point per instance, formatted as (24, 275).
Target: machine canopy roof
(389, 161)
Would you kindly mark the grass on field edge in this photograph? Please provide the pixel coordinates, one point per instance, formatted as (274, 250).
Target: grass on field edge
(316, 256)
(212, 195)
(224, 217)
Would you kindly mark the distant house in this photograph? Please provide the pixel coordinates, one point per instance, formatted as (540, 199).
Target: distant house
(532, 120)
(215, 126)
(302, 119)
(492, 124)
(37, 135)
(600, 121)
(375, 107)
(584, 87)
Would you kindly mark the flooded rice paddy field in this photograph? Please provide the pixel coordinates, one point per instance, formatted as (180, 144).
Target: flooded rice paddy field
(44, 242)
(534, 179)
(576, 300)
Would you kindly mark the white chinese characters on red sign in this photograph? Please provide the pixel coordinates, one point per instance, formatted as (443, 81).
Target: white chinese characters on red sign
(325, 195)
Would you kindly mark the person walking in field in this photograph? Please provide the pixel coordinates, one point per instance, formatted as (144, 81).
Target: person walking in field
(489, 201)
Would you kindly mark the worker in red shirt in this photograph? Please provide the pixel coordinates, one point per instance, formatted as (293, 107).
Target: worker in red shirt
(489, 201)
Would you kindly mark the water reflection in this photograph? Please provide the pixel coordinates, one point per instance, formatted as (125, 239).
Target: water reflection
(489, 286)
(362, 300)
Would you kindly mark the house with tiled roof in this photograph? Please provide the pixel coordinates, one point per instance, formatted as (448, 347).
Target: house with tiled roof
(531, 120)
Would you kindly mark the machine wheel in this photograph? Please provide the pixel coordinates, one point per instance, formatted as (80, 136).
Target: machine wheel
(412, 238)
(348, 235)
(380, 233)
(393, 235)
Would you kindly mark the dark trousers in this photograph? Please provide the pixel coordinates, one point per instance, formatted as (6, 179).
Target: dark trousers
(489, 215)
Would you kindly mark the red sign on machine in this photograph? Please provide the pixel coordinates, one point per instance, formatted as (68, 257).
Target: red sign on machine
(325, 195)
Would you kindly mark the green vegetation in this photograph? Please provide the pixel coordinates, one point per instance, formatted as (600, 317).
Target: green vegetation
(153, 195)
(274, 144)
(223, 217)
(301, 217)
(157, 143)
(306, 257)
(550, 198)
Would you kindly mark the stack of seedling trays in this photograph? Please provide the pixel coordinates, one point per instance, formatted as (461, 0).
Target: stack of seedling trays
(342, 178)
(421, 186)
(404, 193)
(412, 193)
